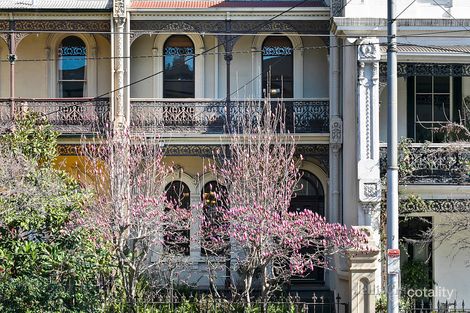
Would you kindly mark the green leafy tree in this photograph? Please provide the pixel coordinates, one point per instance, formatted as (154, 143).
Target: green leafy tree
(48, 261)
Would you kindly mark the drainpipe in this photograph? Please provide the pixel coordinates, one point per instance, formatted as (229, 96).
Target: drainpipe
(12, 59)
(228, 59)
(336, 134)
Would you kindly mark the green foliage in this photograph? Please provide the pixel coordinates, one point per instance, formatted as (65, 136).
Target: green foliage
(381, 304)
(48, 261)
(415, 276)
(33, 138)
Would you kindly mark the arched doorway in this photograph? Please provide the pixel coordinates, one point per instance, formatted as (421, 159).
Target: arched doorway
(309, 196)
(178, 195)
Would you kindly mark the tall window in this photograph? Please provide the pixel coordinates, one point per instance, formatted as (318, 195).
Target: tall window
(433, 106)
(178, 67)
(215, 239)
(278, 63)
(72, 64)
(177, 240)
(309, 196)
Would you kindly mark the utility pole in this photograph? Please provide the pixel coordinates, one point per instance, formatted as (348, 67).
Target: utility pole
(393, 253)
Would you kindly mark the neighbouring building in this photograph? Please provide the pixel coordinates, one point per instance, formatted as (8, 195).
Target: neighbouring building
(124, 62)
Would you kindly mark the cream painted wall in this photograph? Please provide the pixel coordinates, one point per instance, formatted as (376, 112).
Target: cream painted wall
(315, 69)
(402, 114)
(4, 71)
(103, 65)
(449, 265)
(242, 70)
(142, 66)
(210, 67)
(31, 77)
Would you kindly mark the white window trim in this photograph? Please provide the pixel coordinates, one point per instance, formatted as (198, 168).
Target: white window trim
(451, 104)
(91, 75)
(158, 44)
(298, 69)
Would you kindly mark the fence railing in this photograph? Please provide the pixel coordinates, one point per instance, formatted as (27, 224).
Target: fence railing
(217, 116)
(433, 164)
(426, 306)
(168, 116)
(66, 115)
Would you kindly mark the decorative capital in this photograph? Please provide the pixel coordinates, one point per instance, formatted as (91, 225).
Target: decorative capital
(368, 50)
(119, 9)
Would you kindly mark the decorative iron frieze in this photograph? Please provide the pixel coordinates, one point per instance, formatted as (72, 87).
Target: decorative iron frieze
(436, 205)
(237, 26)
(63, 25)
(427, 69)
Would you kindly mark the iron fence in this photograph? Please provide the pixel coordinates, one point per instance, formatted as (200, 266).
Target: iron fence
(217, 116)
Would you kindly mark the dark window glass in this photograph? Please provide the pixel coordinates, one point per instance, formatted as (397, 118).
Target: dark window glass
(178, 67)
(441, 84)
(278, 63)
(423, 84)
(309, 195)
(432, 107)
(72, 67)
(177, 240)
(215, 239)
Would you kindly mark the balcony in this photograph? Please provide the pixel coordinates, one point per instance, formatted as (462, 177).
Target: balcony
(431, 164)
(69, 116)
(175, 116)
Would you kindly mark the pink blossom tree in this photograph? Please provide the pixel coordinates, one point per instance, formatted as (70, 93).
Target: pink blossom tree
(261, 172)
(131, 209)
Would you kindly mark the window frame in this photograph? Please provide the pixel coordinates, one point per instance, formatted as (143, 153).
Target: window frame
(59, 80)
(418, 123)
(193, 60)
(265, 71)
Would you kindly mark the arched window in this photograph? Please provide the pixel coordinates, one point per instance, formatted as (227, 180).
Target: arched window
(178, 195)
(278, 67)
(309, 196)
(72, 62)
(178, 67)
(215, 239)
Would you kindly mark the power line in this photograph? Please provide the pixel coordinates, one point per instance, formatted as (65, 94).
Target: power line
(229, 39)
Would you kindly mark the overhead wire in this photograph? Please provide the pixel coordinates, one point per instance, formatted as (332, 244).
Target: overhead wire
(229, 39)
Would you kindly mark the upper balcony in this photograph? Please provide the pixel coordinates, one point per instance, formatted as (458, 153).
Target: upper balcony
(432, 164)
(168, 117)
(196, 117)
(69, 116)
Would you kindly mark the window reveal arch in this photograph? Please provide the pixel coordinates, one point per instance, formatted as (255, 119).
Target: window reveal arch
(277, 67)
(72, 63)
(178, 67)
(177, 240)
(214, 226)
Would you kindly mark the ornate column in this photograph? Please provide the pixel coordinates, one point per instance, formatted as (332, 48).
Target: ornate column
(368, 160)
(120, 99)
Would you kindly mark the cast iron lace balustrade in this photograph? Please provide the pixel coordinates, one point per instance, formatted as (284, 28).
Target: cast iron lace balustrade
(435, 164)
(68, 116)
(210, 116)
